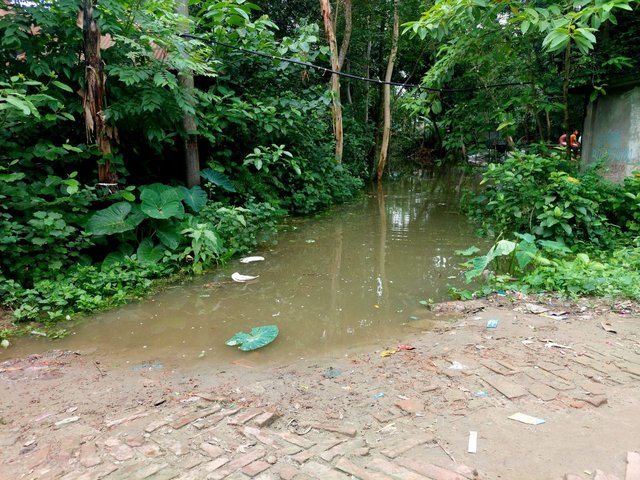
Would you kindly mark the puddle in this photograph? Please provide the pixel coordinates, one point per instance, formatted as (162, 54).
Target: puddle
(338, 281)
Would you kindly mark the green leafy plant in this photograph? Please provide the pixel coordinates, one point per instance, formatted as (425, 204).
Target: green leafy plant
(545, 196)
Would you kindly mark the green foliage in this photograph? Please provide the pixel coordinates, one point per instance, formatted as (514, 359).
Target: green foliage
(545, 196)
(194, 197)
(575, 232)
(79, 289)
(218, 179)
(117, 218)
(161, 202)
(551, 266)
(627, 205)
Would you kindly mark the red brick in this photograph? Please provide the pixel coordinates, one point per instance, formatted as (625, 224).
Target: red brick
(317, 450)
(215, 464)
(153, 426)
(352, 469)
(431, 471)
(38, 457)
(89, 456)
(96, 473)
(213, 451)
(286, 471)
(344, 430)
(543, 392)
(259, 435)
(192, 417)
(190, 461)
(151, 450)
(178, 448)
(596, 401)
(255, 468)
(410, 406)
(238, 463)
(342, 449)
(134, 440)
(384, 417)
(216, 418)
(130, 418)
(266, 419)
(121, 452)
(318, 470)
(406, 445)
(296, 440)
(394, 470)
(243, 418)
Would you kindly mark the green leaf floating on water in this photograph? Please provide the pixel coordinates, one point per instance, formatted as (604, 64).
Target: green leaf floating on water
(258, 338)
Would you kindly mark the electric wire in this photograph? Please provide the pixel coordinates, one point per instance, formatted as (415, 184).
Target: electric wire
(349, 75)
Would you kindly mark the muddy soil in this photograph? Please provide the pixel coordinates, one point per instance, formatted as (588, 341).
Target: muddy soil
(356, 414)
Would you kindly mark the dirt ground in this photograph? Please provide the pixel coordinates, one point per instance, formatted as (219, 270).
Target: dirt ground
(405, 416)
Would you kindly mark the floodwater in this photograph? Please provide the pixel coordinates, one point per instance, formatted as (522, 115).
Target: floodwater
(345, 279)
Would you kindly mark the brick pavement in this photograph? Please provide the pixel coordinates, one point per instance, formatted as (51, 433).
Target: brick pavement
(208, 435)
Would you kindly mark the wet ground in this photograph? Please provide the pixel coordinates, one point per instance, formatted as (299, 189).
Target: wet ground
(407, 415)
(349, 277)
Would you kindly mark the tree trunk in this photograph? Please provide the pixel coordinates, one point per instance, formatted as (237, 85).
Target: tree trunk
(336, 107)
(540, 126)
(386, 128)
(436, 131)
(348, 70)
(565, 96)
(190, 147)
(346, 37)
(337, 59)
(93, 102)
(367, 87)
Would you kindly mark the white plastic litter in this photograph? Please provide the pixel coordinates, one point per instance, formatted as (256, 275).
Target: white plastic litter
(237, 277)
(251, 259)
(473, 442)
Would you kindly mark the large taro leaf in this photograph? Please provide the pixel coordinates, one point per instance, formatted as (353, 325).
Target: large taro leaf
(148, 254)
(195, 197)
(112, 259)
(217, 178)
(117, 218)
(161, 201)
(169, 235)
(257, 338)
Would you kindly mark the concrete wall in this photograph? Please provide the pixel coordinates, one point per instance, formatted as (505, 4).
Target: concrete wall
(612, 131)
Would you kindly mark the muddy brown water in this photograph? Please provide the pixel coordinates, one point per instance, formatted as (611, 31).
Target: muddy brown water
(339, 281)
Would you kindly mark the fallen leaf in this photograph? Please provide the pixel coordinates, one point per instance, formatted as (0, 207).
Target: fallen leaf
(608, 327)
(388, 353)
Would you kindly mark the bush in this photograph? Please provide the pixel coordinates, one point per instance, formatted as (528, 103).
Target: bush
(546, 196)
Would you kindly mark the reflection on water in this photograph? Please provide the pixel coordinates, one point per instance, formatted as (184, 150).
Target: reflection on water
(348, 278)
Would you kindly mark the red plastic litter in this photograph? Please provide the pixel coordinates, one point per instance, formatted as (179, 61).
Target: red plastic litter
(406, 347)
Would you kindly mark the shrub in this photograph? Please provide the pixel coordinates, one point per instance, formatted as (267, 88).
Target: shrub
(545, 196)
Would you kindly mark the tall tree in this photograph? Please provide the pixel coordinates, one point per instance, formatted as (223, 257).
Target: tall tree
(386, 128)
(191, 155)
(337, 60)
(93, 101)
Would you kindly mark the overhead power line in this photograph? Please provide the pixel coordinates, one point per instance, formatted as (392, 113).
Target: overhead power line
(349, 75)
